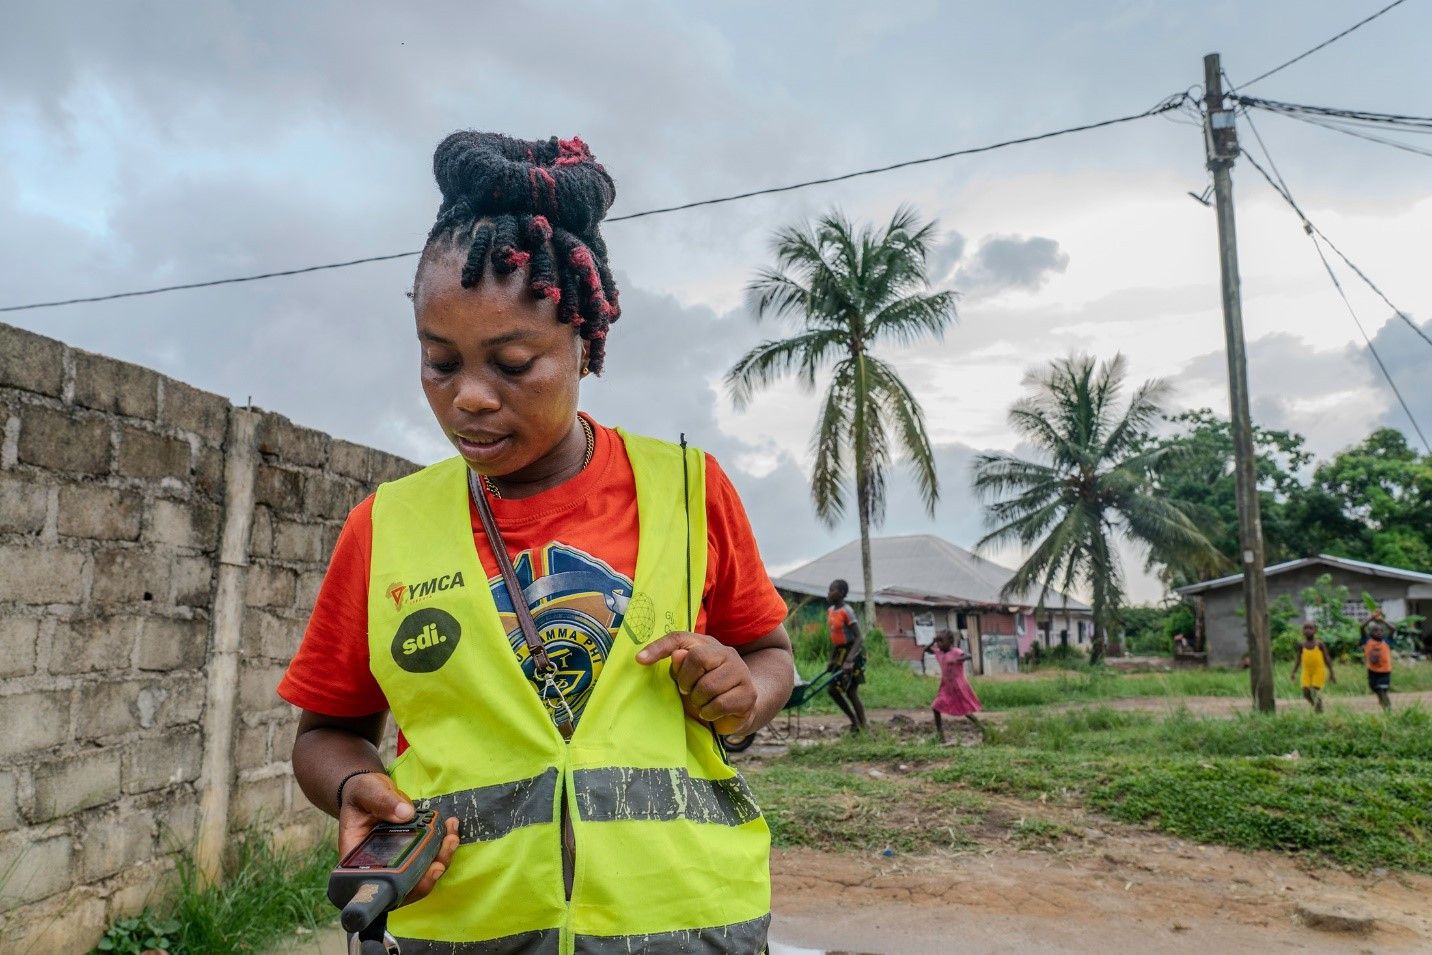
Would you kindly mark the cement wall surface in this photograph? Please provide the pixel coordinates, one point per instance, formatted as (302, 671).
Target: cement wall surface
(115, 491)
(1225, 636)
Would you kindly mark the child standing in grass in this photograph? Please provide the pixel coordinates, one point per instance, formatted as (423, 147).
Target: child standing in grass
(956, 696)
(1316, 665)
(1378, 654)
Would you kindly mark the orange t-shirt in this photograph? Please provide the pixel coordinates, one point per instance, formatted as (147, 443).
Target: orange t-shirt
(1378, 655)
(840, 618)
(583, 530)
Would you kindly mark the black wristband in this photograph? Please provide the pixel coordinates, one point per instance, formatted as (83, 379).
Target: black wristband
(344, 782)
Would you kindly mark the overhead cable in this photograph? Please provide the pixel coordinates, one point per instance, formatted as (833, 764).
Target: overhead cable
(1402, 121)
(1328, 42)
(1281, 187)
(1314, 235)
(1405, 147)
(1166, 105)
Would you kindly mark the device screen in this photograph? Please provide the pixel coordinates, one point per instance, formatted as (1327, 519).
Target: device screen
(381, 850)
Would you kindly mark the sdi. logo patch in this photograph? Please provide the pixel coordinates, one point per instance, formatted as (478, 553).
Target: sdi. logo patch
(425, 640)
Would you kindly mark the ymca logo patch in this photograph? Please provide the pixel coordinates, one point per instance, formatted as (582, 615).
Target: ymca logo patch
(398, 592)
(425, 640)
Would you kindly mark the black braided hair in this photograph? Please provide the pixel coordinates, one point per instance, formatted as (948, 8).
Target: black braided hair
(535, 206)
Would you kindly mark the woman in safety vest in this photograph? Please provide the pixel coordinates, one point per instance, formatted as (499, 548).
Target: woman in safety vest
(563, 619)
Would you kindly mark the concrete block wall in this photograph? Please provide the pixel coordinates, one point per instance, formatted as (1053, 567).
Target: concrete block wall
(112, 509)
(306, 483)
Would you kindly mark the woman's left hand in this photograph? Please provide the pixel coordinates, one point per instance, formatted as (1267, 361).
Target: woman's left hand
(715, 683)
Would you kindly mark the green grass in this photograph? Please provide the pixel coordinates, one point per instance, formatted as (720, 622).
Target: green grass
(1055, 686)
(264, 895)
(833, 808)
(1358, 792)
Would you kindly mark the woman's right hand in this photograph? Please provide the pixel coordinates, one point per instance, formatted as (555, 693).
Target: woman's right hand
(373, 798)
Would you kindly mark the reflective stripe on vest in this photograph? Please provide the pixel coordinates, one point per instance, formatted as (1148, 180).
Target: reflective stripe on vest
(625, 792)
(491, 812)
(649, 788)
(747, 938)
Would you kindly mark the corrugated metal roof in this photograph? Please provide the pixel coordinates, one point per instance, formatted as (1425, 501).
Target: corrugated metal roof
(916, 568)
(1346, 563)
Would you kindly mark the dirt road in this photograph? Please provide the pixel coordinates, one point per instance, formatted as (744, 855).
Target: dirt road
(1109, 891)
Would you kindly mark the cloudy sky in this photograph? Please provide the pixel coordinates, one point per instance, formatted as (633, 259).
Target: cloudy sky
(145, 144)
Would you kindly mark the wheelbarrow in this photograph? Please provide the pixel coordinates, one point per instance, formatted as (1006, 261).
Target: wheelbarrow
(801, 694)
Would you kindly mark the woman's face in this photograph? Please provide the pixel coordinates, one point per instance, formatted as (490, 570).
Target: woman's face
(500, 372)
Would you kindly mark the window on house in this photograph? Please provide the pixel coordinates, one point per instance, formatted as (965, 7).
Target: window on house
(1356, 610)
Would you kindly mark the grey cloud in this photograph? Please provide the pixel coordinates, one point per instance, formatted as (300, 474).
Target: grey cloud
(944, 257)
(1010, 262)
(1409, 362)
(1292, 382)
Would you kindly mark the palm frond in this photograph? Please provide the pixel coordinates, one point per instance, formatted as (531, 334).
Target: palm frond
(901, 409)
(1056, 550)
(829, 443)
(1145, 408)
(910, 319)
(774, 293)
(770, 360)
(996, 474)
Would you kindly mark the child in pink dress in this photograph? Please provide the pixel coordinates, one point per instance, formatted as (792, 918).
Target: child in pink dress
(956, 696)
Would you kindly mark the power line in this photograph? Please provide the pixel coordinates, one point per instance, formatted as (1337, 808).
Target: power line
(1281, 187)
(1370, 347)
(1405, 147)
(1314, 234)
(242, 278)
(1166, 105)
(1400, 121)
(1328, 42)
(1346, 121)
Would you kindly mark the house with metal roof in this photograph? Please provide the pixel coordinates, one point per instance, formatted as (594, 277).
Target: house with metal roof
(924, 584)
(1218, 604)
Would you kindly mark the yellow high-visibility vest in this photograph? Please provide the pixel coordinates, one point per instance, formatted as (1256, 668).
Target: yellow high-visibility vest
(672, 853)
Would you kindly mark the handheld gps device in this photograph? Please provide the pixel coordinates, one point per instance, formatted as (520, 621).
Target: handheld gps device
(378, 875)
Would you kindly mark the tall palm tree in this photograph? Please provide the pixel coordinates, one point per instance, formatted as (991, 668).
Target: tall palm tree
(845, 290)
(1092, 479)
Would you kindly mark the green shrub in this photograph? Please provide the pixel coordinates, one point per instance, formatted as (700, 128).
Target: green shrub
(138, 934)
(263, 895)
(1180, 619)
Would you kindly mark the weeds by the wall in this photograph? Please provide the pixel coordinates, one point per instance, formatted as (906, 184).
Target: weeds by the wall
(264, 895)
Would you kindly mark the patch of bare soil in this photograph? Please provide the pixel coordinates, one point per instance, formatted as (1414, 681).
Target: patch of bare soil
(1090, 887)
(1043, 878)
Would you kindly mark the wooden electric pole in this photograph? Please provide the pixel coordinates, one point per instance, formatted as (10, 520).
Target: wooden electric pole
(1221, 139)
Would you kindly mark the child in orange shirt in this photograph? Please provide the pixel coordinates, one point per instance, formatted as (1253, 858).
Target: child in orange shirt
(1378, 654)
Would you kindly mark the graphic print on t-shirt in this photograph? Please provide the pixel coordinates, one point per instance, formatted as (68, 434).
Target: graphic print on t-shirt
(578, 603)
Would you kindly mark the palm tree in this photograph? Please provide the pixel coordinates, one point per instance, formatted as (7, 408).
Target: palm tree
(845, 290)
(1092, 480)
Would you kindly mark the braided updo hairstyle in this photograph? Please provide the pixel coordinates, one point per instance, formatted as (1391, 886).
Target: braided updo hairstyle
(535, 206)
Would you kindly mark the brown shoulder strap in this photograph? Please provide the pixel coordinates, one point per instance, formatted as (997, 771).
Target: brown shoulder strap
(546, 672)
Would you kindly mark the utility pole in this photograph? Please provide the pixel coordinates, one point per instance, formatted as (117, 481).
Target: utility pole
(1221, 139)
